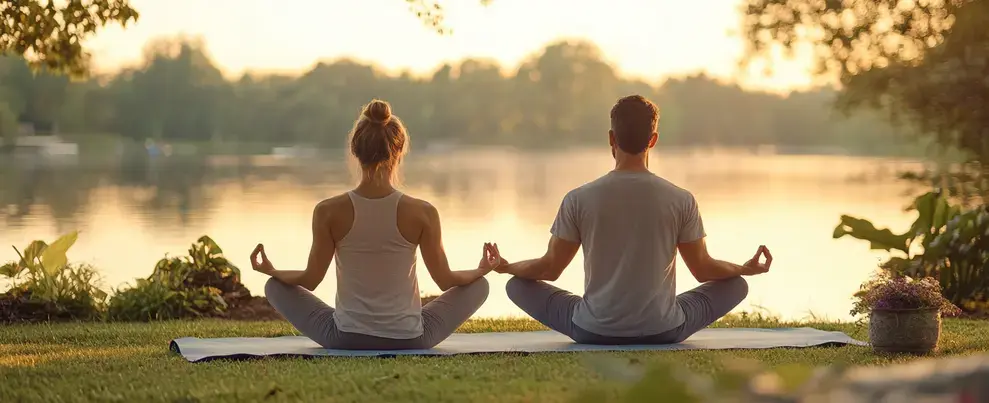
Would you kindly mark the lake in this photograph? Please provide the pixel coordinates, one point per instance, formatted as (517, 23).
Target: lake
(131, 214)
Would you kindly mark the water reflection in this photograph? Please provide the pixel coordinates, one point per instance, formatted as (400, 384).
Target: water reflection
(133, 212)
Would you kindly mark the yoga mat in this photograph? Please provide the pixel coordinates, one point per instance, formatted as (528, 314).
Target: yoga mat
(195, 349)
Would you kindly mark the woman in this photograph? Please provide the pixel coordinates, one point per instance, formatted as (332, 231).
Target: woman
(374, 230)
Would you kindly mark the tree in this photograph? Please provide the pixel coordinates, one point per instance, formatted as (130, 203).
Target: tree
(925, 62)
(431, 12)
(51, 35)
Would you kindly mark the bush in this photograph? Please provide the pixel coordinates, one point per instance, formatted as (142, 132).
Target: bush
(963, 260)
(945, 242)
(47, 287)
(201, 284)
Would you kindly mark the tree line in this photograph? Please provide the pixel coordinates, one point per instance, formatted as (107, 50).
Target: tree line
(560, 96)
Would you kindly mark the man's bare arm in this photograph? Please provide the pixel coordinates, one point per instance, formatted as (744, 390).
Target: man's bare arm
(550, 266)
(704, 267)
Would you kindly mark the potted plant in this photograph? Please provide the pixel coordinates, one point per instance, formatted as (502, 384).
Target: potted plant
(904, 313)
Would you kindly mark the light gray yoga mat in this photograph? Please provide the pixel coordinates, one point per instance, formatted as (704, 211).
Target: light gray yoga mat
(196, 349)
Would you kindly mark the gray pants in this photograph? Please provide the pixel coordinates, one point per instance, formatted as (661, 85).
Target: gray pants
(311, 316)
(554, 308)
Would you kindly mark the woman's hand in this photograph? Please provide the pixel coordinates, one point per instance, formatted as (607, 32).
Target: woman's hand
(490, 258)
(263, 266)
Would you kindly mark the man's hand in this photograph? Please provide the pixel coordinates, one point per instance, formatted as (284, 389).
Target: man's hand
(503, 267)
(263, 266)
(490, 258)
(753, 267)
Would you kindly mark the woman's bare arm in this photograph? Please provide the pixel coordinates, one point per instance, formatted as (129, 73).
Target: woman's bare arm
(320, 253)
(433, 254)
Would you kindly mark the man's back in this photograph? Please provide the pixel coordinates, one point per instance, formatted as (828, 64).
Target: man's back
(629, 225)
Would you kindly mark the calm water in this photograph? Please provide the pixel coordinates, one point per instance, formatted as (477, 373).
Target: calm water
(133, 214)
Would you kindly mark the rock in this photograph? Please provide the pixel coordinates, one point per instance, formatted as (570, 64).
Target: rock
(957, 380)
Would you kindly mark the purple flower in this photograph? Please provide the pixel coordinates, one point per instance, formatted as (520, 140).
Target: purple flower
(887, 291)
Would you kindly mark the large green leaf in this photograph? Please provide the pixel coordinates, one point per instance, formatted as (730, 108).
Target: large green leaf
(211, 246)
(54, 256)
(933, 213)
(883, 239)
(33, 252)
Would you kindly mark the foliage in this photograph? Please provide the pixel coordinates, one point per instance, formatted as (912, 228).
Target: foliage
(432, 14)
(555, 98)
(46, 286)
(189, 286)
(963, 264)
(51, 35)
(155, 300)
(953, 247)
(925, 62)
(933, 213)
(890, 292)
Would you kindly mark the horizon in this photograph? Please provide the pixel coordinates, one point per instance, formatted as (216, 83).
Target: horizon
(237, 38)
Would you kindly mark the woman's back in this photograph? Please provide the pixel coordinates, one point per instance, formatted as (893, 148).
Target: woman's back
(373, 232)
(377, 289)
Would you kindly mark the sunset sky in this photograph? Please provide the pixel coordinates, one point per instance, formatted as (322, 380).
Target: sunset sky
(650, 39)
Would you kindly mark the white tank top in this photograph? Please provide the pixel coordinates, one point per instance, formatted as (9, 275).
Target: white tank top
(377, 290)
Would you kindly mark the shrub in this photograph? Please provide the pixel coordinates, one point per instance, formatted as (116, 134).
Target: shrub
(200, 284)
(46, 286)
(945, 242)
(962, 266)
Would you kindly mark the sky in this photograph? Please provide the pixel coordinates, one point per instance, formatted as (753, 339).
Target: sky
(647, 39)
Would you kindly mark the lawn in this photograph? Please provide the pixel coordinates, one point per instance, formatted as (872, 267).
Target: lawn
(131, 362)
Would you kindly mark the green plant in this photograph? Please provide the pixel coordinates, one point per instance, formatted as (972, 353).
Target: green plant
(156, 300)
(933, 214)
(197, 285)
(945, 242)
(963, 264)
(46, 286)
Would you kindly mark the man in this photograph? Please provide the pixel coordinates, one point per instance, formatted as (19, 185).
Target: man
(631, 223)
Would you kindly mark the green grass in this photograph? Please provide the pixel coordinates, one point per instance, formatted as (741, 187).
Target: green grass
(131, 362)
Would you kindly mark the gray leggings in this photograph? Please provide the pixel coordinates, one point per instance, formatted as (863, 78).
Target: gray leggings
(554, 308)
(311, 316)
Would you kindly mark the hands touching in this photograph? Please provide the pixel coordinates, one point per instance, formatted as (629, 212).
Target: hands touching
(490, 258)
(264, 265)
(503, 266)
(753, 267)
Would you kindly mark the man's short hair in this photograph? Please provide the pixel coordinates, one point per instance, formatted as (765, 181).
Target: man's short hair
(633, 120)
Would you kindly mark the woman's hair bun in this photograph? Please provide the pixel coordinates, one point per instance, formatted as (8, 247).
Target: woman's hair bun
(377, 111)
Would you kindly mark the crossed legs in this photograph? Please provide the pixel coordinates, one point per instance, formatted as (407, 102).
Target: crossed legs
(314, 318)
(554, 308)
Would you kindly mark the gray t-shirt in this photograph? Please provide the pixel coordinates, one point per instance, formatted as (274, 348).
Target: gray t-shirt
(629, 225)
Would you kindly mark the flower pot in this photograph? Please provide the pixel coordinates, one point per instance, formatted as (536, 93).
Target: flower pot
(905, 330)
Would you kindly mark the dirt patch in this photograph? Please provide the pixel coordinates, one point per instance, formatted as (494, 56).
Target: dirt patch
(250, 308)
(17, 306)
(241, 305)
